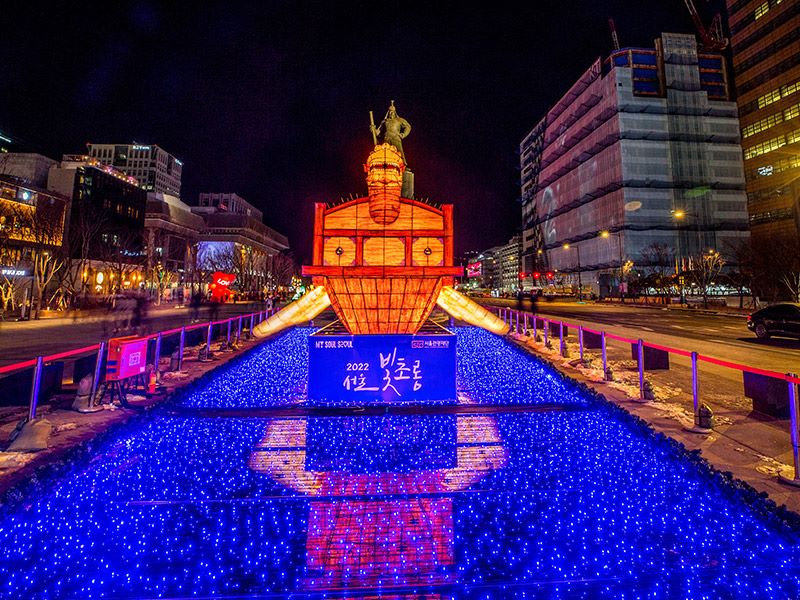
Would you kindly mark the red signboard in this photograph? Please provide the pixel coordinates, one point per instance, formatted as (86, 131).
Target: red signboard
(127, 357)
(474, 269)
(220, 284)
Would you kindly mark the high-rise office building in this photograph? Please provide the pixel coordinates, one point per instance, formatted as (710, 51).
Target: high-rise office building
(765, 39)
(642, 150)
(154, 168)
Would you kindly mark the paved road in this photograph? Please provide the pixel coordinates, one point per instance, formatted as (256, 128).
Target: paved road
(21, 341)
(722, 336)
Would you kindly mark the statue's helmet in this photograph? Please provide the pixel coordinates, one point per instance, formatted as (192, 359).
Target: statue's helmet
(392, 109)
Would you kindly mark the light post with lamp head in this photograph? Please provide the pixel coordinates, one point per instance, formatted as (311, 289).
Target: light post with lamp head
(607, 234)
(580, 284)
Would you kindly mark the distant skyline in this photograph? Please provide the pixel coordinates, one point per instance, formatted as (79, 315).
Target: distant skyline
(272, 101)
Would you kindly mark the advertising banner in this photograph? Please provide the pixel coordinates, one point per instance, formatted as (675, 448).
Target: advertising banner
(388, 368)
(474, 269)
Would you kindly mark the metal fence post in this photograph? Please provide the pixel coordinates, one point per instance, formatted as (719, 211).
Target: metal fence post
(98, 366)
(605, 355)
(516, 321)
(208, 336)
(181, 345)
(229, 333)
(157, 356)
(561, 337)
(580, 339)
(794, 411)
(534, 327)
(525, 323)
(546, 329)
(641, 368)
(36, 384)
(239, 329)
(250, 331)
(697, 428)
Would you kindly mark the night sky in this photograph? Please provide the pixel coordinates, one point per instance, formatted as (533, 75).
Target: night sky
(270, 99)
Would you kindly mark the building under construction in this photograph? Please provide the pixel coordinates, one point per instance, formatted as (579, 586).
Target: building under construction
(643, 149)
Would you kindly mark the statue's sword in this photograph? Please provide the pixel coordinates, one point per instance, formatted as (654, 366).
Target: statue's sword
(372, 128)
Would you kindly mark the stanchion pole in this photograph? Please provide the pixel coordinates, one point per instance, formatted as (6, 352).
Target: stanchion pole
(794, 409)
(525, 323)
(605, 355)
(228, 341)
(561, 337)
(580, 340)
(98, 366)
(239, 329)
(181, 346)
(640, 356)
(534, 326)
(546, 329)
(35, 386)
(250, 331)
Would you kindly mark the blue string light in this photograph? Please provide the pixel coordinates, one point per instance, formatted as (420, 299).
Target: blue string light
(584, 502)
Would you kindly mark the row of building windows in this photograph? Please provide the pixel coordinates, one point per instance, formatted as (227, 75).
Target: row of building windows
(792, 60)
(772, 144)
(764, 29)
(771, 215)
(779, 166)
(772, 120)
(770, 50)
(768, 194)
(773, 96)
(764, 7)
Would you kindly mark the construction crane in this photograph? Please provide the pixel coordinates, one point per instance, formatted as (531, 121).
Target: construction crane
(613, 26)
(712, 37)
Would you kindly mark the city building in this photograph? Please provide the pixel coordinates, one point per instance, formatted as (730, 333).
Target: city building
(172, 232)
(105, 220)
(230, 202)
(27, 168)
(642, 152)
(31, 232)
(234, 239)
(154, 168)
(508, 260)
(765, 40)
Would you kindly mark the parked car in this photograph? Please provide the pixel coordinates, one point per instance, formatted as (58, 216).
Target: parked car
(779, 319)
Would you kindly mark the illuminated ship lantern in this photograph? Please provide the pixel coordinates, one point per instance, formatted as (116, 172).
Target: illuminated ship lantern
(384, 261)
(384, 170)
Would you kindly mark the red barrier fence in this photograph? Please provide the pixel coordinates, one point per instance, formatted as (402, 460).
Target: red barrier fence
(512, 318)
(39, 362)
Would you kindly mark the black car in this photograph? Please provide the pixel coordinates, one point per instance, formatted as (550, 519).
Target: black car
(778, 319)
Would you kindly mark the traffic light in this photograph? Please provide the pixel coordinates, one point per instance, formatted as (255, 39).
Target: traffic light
(550, 275)
(537, 275)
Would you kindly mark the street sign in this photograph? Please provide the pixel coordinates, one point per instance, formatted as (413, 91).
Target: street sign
(388, 368)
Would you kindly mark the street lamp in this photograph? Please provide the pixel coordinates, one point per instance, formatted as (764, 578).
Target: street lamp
(607, 234)
(580, 284)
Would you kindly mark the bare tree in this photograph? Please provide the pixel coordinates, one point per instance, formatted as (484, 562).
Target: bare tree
(658, 259)
(705, 268)
(42, 228)
(122, 254)
(284, 267)
(741, 277)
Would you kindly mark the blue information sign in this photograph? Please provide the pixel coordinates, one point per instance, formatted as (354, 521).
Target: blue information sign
(389, 368)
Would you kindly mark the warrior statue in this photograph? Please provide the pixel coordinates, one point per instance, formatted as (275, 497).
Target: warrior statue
(392, 130)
